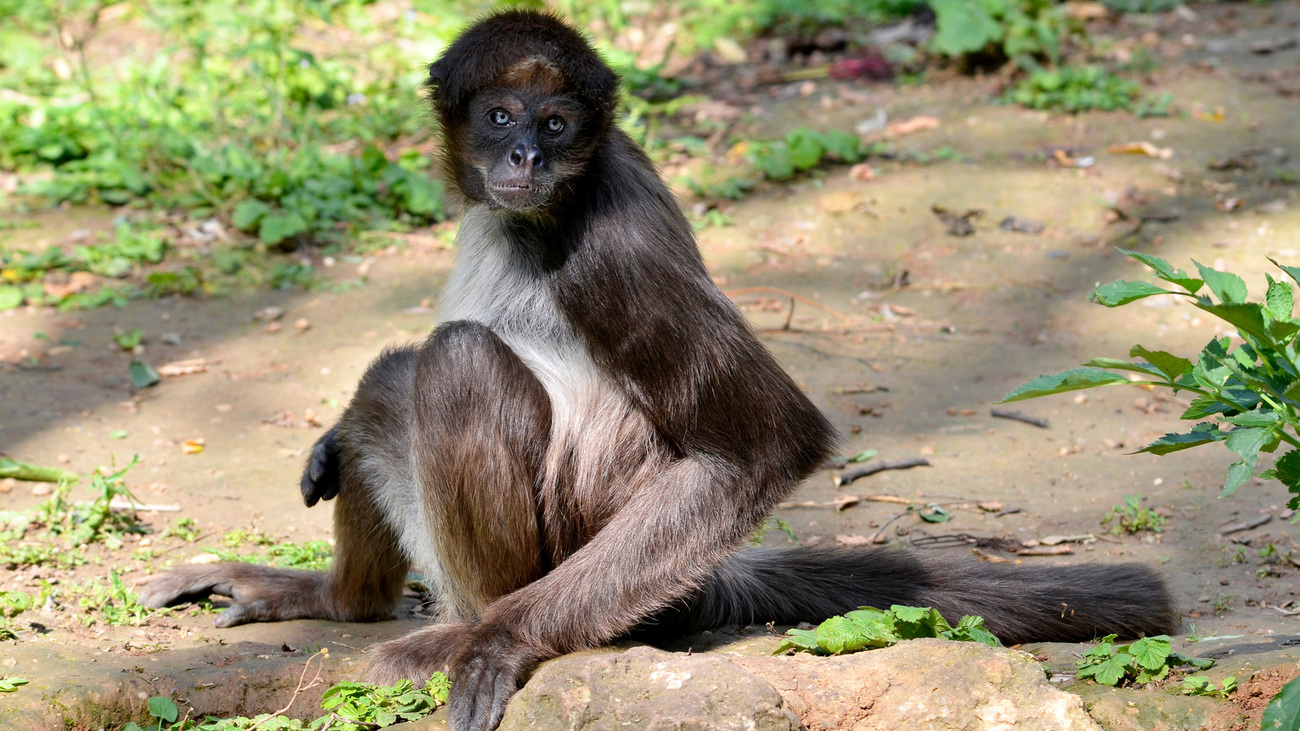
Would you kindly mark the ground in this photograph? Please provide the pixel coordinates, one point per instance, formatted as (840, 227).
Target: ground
(902, 333)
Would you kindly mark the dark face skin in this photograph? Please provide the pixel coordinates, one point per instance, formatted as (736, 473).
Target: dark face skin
(522, 144)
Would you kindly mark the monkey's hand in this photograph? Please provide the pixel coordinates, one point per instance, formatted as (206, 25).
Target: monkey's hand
(486, 666)
(257, 593)
(320, 476)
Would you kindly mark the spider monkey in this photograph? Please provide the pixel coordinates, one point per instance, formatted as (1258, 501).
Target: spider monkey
(579, 449)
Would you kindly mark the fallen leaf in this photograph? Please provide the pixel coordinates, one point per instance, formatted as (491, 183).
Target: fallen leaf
(1059, 550)
(143, 375)
(840, 202)
(203, 558)
(990, 506)
(1057, 540)
(184, 367)
(959, 224)
(1141, 148)
(269, 314)
(1086, 10)
(1216, 116)
(845, 501)
(912, 126)
(845, 540)
(192, 446)
(862, 172)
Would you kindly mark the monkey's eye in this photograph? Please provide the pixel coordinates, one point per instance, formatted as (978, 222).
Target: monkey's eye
(499, 117)
(554, 125)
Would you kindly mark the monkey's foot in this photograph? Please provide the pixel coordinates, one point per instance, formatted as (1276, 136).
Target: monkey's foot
(320, 476)
(258, 593)
(486, 667)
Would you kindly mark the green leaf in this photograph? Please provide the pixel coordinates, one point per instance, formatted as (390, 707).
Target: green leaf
(1257, 418)
(1287, 470)
(1279, 298)
(773, 160)
(971, 629)
(1238, 473)
(1283, 712)
(1121, 292)
(839, 635)
(11, 297)
(277, 228)
(1166, 272)
(963, 27)
(1123, 365)
(1151, 652)
(1170, 365)
(805, 150)
(162, 707)
(934, 514)
(842, 144)
(862, 456)
(143, 375)
(799, 640)
(248, 212)
(1293, 272)
(1071, 380)
(1247, 441)
(1203, 406)
(33, 473)
(1202, 433)
(1248, 318)
(1226, 286)
(1107, 672)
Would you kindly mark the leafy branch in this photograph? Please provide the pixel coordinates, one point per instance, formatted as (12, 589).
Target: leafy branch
(1246, 395)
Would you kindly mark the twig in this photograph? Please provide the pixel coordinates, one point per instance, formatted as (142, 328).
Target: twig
(792, 296)
(298, 690)
(1249, 524)
(902, 464)
(1038, 421)
(918, 499)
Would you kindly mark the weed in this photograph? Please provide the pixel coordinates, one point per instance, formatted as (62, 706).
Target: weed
(1025, 31)
(1251, 388)
(239, 536)
(1132, 518)
(309, 556)
(757, 538)
(1201, 685)
(112, 603)
(1075, 89)
(12, 604)
(1149, 659)
(350, 706)
(185, 529)
(802, 149)
(868, 628)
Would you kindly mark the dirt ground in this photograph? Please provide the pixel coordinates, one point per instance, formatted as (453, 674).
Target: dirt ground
(907, 370)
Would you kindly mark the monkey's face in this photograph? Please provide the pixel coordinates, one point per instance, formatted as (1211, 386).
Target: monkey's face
(521, 147)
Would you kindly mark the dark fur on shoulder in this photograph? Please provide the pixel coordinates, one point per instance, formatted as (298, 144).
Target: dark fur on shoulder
(580, 448)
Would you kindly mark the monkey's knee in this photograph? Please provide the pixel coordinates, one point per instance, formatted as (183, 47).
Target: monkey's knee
(466, 375)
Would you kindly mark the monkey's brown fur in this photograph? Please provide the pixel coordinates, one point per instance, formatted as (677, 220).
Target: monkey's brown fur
(579, 449)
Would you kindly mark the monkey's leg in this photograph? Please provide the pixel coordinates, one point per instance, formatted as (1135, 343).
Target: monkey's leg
(368, 571)
(480, 428)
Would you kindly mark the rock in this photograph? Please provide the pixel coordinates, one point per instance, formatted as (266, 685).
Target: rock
(647, 688)
(916, 684)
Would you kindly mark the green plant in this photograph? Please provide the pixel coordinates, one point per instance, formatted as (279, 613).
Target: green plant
(1131, 517)
(1252, 388)
(12, 604)
(1283, 711)
(1201, 685)
(1021, 30)
(1078, 89)
(1144, 661)
(184, 528)
(10, 683)
(757, 538)
(802, 149)
(351, 706)
(112, 603)
(309, 556)
(129, 340)
(868, 628)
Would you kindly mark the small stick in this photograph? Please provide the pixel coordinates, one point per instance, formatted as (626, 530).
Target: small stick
(1038, 421)
(871, 469)
(872, 540)
(1252, 523)
(297, 691)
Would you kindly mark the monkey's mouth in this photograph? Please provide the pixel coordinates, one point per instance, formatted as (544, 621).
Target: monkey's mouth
(517, 194)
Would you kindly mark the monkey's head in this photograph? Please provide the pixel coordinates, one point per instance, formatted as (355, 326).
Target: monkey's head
(522, 100)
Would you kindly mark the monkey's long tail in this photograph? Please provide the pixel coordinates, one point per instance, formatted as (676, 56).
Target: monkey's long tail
(1018, 603)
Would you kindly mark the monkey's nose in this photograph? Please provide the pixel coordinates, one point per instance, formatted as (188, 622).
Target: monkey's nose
(525, 154)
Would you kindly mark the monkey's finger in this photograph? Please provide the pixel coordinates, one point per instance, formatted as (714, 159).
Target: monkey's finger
(255, 611)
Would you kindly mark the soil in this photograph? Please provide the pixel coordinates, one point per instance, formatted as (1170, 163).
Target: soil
(902, 333)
